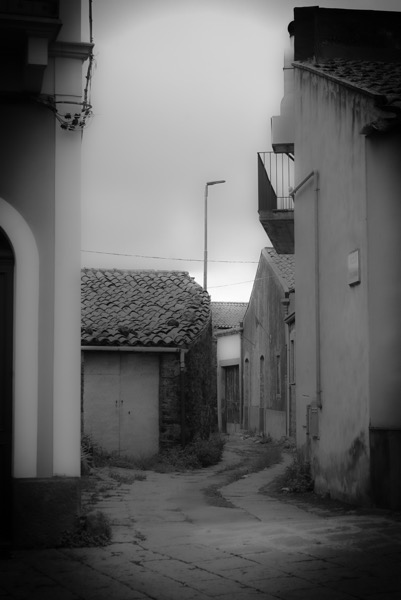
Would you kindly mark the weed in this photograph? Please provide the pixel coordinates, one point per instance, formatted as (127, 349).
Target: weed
(126, 478)
(140, 536)
(92, 530)
(196, 455)
(231, 467)
(87, 452)
(297, 477)
(208, 452)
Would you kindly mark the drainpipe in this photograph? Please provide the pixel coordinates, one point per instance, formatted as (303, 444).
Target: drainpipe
(145, 349)
(182, 396)
(317, 292)
(315, 175)
(285, 302)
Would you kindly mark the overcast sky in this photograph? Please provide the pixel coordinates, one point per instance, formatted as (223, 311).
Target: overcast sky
(183, 92)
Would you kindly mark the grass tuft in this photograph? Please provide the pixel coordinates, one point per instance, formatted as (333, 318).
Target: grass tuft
(92, 530)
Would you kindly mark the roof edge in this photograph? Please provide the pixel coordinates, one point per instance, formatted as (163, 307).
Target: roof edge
(307, 66)
(284, 284)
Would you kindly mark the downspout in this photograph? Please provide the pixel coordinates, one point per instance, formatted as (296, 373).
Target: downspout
(285, 302)
(317, 292)
(182, 396)
(315, 175)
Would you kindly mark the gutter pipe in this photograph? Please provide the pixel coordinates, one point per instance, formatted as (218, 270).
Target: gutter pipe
(153, 349)
(292, 193)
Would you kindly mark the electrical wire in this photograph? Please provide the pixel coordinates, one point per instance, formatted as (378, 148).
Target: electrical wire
(248, 262)
(239, 282)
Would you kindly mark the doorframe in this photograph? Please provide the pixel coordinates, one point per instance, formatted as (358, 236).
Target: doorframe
(222, 388)
(7, 267)
(25, 340)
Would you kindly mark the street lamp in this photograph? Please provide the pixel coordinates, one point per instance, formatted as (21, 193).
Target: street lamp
(205, 252)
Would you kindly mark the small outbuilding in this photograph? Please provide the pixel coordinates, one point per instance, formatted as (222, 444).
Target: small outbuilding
(147, 369)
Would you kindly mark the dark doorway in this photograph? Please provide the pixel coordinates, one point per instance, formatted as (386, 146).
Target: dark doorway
(232, 398)
(6, 386)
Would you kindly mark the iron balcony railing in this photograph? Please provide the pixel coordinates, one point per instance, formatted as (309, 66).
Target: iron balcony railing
(274, 194)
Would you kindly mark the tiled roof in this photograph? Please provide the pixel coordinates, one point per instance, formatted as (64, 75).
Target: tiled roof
(226, 315)
(283, 264)
(141, 308)
(379, 79)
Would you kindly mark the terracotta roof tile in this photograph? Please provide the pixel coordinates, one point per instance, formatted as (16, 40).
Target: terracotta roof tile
(141, 308)
(284, 265)
(227, 315)
(379, 79)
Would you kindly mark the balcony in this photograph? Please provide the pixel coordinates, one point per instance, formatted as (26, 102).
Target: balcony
(276, 206)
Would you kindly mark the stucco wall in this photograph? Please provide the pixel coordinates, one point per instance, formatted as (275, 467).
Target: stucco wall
(229, 346)
(328, 141)
(264, 354)
(40, 180)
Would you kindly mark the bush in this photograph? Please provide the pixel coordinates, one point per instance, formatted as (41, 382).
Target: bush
(297, 476)
(197, 455)
(208, 452)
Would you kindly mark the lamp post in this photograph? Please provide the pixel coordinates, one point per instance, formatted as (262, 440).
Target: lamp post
(205, 251)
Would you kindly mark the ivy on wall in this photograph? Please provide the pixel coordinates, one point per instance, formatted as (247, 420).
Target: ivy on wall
(200, 388)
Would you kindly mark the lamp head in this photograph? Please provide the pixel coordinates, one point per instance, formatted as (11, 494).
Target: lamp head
(215, 182)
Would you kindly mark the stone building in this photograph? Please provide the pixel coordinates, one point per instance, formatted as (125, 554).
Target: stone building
(147, 360)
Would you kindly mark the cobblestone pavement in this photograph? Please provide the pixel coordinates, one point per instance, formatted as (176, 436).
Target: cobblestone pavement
(169, 544)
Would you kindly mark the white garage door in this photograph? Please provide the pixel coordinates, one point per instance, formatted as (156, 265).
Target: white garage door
(121, 401)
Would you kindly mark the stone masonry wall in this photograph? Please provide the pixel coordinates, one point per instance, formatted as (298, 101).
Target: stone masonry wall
(169, 398)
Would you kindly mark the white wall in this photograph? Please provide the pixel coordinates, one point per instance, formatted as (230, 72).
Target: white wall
(328, 141)
(229, 347)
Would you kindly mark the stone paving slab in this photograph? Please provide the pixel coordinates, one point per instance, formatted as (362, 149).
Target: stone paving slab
(168, 544)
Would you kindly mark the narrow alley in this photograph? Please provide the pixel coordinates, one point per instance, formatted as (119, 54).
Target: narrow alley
(170, 543)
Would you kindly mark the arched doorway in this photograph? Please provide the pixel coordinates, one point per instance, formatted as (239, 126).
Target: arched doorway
(6, 384)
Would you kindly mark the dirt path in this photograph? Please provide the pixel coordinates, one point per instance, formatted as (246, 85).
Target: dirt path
(174, 506)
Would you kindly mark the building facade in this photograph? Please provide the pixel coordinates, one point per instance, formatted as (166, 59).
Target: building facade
(346, 135)
(43, 47)
(268, 348)
(148, 374)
